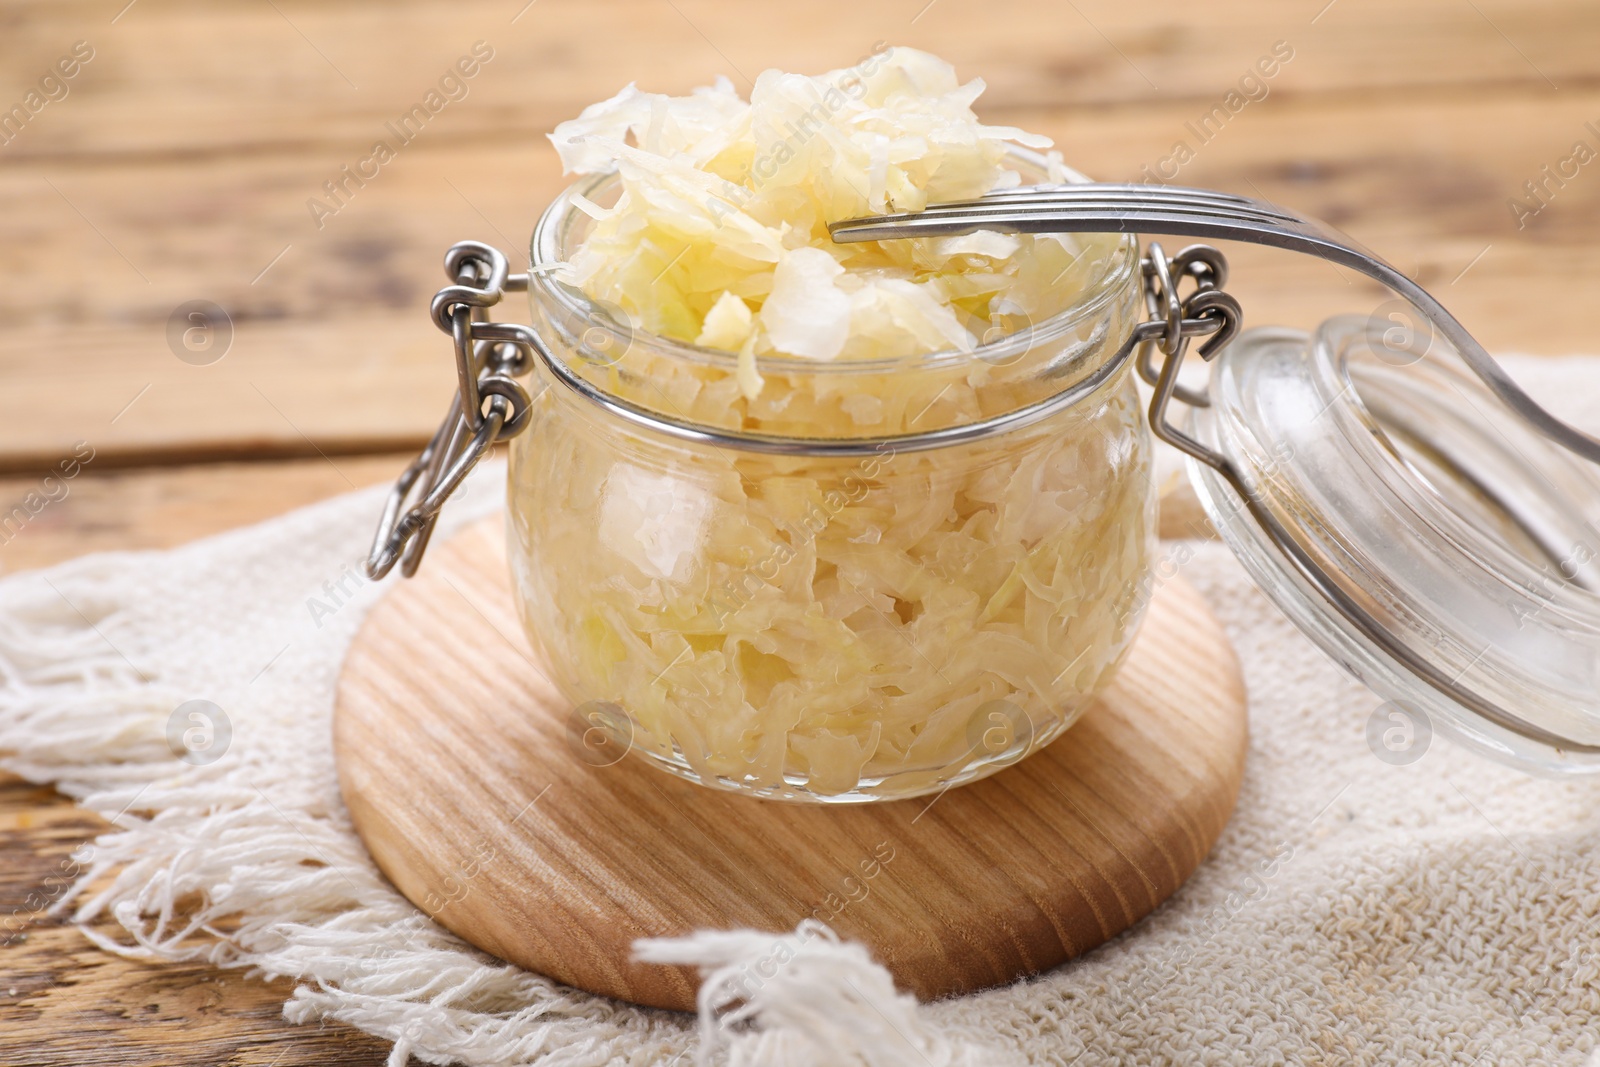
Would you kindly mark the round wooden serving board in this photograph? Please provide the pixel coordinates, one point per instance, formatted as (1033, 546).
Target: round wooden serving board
(454, 760)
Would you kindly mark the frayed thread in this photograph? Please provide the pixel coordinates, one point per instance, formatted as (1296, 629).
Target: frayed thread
(806, 999)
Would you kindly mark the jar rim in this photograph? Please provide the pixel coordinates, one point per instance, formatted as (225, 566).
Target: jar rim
(546, 253)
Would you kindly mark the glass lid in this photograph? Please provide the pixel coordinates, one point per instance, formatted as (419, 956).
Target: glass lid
(1426, 538)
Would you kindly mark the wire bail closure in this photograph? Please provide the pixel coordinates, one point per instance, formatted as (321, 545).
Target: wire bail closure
(1175, 320)
(490, 405)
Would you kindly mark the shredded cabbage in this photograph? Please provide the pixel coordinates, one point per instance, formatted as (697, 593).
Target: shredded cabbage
(828, 627)
(723, 200)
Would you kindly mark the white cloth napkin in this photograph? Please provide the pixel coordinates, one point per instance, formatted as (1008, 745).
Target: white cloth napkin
(1354, 911)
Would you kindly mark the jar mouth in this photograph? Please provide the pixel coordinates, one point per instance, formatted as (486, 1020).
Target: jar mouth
(549, 249)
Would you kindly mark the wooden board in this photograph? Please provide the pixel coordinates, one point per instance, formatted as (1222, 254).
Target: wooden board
(459, 777)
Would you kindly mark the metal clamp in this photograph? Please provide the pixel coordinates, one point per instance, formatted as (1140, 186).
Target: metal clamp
(490, 405)
(1176, 320)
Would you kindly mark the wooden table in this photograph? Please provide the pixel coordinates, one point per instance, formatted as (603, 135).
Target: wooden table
(180, 163)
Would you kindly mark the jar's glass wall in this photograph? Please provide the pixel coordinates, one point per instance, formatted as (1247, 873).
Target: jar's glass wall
(833, 628)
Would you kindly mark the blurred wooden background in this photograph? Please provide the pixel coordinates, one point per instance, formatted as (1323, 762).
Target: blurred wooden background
(179, 163)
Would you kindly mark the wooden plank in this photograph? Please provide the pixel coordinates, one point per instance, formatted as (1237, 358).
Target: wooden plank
(230, 79)
(332, 346)
(64, 1002)
(282, 392)
(159, 508)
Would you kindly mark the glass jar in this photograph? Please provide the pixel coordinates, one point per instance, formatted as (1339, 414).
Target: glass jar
(841, 588)
(876, 578)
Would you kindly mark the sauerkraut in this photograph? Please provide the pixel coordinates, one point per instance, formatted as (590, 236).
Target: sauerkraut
(834, 628)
